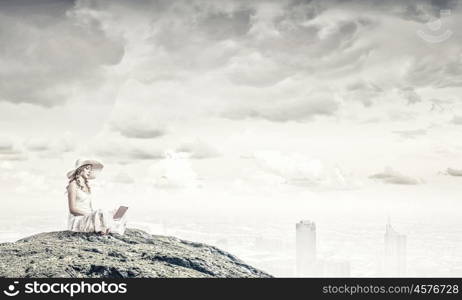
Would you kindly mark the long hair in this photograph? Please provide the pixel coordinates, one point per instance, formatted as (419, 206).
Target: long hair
(76, 175)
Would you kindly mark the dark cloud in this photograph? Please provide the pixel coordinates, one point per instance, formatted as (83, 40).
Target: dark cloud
(438, 5)
(47, 51)
(260, 44)
(425, 11)
(199, 36)
(36, 7)
(221, 25)
(316, 49)
(65, 47)
(412, 10)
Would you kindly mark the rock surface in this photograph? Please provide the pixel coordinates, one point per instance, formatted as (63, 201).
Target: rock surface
(134, 254)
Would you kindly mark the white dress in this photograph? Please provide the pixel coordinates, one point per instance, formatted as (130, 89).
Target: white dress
(94, 220)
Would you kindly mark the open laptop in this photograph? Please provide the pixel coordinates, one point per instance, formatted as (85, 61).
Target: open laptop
(120, 212)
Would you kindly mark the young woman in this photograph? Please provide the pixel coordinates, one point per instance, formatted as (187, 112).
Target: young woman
(82, 217)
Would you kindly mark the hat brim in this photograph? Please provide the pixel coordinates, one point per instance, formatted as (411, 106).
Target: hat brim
(95, 165)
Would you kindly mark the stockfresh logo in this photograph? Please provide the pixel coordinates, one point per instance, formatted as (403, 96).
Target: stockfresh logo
(11, 291)
(435, 31)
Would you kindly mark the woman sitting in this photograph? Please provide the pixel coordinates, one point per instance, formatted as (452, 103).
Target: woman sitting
(82, 217)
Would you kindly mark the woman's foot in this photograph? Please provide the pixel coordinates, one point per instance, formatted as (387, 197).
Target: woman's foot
(104, 232)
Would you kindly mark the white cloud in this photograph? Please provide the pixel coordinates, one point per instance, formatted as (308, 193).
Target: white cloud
(454, 172)
(411, 134)
(457, 120)
(301, 108)
(304, 72)
(253, 69)
(125, 151)
(298, 169)
(175, 171)
(123, 177)
(440, 105)
(139, 128)
(7, 147)
(198, 149)
(37, 144)
(393, 177)
(410, 95)
(26, 181)
(11, 151)
(363, 91)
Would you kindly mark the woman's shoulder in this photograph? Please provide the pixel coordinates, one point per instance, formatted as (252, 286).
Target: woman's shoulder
(72, 186)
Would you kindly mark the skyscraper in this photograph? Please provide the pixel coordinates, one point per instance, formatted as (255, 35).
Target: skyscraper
(306, 248)
(395, 252)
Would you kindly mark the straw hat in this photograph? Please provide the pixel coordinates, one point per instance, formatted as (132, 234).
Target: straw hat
(96, 166)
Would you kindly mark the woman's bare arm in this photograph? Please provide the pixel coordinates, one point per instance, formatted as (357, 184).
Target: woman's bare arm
(72, 191)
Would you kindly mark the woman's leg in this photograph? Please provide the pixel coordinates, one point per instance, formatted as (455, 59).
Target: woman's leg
(99, 221)
(105, 221)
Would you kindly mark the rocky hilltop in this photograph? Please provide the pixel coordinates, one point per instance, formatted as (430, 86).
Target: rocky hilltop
(134, 254)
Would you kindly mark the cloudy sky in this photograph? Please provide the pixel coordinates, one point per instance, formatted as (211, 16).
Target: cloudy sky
(236, 99)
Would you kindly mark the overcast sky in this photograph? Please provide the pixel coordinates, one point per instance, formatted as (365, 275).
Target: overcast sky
(234, 96)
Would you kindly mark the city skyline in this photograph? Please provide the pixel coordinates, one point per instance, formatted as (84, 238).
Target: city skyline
(391, 263)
